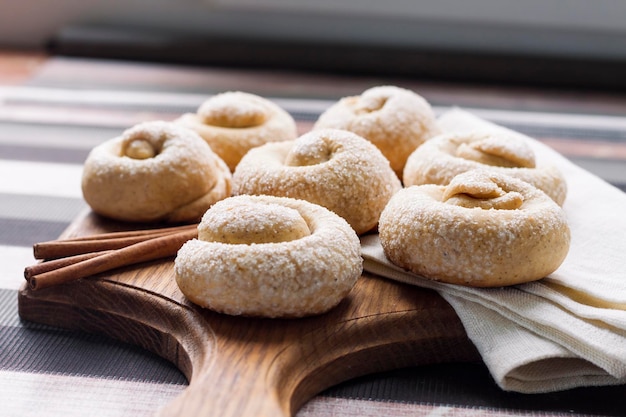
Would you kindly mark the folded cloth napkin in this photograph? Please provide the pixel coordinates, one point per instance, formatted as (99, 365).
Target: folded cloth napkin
(566, 330)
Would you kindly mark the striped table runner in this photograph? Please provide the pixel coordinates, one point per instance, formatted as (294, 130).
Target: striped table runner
(46, 131)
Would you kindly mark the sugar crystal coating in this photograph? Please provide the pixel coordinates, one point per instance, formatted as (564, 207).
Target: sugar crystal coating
(482, 244)
(304, 276)
(444, 156)
(252, 223)
(234, 122)
(178, 183)
(334, 168)
(396, 120)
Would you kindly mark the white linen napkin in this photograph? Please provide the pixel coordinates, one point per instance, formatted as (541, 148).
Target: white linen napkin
(566, 330)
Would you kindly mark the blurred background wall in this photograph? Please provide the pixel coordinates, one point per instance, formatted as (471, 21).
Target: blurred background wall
(395, 36)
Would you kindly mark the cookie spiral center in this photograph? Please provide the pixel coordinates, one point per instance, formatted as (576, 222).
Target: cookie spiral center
(253, 223)
(370, 103)
(309, 150)
(502, 151)
(140, 149)
(478, 190)
(233, 111)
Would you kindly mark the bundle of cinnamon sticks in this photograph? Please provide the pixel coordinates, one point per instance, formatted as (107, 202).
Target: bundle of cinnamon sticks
(71, 259)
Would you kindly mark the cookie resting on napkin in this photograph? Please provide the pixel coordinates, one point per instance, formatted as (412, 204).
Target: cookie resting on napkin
(567, 330)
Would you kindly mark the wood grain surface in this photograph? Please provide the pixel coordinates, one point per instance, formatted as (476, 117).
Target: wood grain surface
(239, 366)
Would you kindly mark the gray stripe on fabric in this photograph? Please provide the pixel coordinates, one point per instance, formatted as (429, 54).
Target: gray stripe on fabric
(8, 308)
(66, 136)
(40, 208)
(573, 133)
(612, 171)
(43, 154)
(28, 232)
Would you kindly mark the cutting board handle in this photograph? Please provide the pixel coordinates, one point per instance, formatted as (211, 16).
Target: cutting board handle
(257, 368)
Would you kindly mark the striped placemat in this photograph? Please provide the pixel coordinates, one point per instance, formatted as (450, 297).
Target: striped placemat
(46, 131)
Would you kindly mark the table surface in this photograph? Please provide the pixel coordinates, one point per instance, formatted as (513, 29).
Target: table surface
(53, 110)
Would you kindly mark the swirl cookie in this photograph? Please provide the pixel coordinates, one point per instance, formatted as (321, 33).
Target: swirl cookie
(235, 122)
(334, 168)
(155, 171)
(484, 229)
(394, 119)
(269, 257)
(449, 154)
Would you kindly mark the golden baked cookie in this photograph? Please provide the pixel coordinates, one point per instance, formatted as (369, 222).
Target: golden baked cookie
(334, 168)
(269, 257)
(154, 171)
(484, 229)
(235, 122)
(394, 119)
(449, 154)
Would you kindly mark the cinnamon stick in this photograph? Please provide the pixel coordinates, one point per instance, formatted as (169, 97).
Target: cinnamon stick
(148, 250)
(46, 266)
(107, 241)
(131, 233)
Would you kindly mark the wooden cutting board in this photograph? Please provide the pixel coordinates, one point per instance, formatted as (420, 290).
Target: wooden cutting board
(240, 366)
